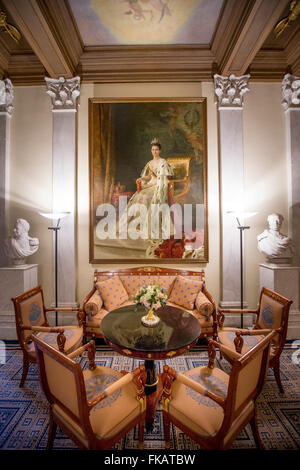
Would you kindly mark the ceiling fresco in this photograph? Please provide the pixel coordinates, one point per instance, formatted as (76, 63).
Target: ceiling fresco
(145, 22)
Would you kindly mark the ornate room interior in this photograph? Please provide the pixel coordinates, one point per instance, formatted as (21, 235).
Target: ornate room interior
(239, 62)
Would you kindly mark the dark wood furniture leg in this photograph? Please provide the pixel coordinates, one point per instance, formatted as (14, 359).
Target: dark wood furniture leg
(153, 392)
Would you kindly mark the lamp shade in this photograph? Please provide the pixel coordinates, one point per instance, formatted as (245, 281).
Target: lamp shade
(241, 214)
(54, 215)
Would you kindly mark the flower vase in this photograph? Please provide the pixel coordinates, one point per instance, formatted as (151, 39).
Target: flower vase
(150, 319)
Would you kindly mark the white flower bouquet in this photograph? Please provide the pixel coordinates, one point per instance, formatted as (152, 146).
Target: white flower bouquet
(151, 297)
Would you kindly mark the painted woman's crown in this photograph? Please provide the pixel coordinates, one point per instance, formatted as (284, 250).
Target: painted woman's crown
(154, 141)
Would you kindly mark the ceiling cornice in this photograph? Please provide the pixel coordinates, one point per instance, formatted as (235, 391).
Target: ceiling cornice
(34, 22)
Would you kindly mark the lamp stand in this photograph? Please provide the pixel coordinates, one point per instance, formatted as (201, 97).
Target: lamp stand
(241, 229)
(55, 230)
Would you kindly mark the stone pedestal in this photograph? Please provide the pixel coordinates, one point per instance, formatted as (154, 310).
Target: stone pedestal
(284, 279)
(14, 280)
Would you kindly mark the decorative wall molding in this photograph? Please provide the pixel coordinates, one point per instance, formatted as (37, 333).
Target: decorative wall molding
(63, 92)
(290, 91)
(6, 95)
(230, 90)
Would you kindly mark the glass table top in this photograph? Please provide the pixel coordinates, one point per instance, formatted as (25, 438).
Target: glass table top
(176, 329)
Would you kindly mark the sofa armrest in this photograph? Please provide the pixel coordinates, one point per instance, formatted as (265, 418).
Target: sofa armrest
(92, 305)
(203, 305)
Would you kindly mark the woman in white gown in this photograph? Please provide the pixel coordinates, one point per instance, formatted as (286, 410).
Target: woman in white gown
(152, 192)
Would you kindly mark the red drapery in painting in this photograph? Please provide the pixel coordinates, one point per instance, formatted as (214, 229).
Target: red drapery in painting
(104, 157)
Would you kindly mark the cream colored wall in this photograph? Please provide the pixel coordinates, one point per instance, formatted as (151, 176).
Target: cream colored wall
(31, 172)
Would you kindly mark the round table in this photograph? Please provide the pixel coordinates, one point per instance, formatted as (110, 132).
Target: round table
(176, 333)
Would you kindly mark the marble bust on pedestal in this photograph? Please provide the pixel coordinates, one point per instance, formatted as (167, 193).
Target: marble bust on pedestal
(278, 248)
(20, 245)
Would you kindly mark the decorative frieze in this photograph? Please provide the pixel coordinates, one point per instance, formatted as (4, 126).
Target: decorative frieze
(63, 92)
(230, 90)
(290, 91)
(6, 95)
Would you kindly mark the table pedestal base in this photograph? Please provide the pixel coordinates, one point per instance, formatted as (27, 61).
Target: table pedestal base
(153, 391)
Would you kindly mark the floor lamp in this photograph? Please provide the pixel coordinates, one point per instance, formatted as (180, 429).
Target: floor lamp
(241, 228)
(55, 216)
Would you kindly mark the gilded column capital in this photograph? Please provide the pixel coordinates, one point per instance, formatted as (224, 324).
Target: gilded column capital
(290, 91)
(230, 90)
(63, 92)
(6, 95)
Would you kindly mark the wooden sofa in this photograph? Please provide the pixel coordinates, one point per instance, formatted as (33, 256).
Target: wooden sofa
(132, 279)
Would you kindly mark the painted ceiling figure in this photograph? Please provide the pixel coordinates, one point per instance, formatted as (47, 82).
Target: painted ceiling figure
(138, 12)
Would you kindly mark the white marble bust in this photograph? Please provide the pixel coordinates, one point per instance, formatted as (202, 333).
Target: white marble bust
(20, 245)
(278, 248)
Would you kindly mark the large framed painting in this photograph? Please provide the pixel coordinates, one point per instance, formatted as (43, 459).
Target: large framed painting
(148, 180)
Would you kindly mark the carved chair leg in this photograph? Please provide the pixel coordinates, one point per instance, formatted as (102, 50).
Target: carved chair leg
(51, 433)
(166, 430)
(255, 432)
(276, 369)
(141, 434)
(25, 370)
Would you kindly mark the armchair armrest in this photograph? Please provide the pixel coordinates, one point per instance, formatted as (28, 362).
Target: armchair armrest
(91, 348)
(80, 314)
(48, 329)
(129, 377)
(61, 339)
(236, 310)
(227, 351)
(222, 311)
(256, 332)
(62, 309)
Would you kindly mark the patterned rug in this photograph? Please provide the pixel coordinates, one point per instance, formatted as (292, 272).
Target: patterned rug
(24, 412)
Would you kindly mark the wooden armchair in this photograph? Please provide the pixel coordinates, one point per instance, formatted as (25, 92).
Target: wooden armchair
(211, 406)
(30, 313)
(272, 314)
(95, 407)
(180, 183)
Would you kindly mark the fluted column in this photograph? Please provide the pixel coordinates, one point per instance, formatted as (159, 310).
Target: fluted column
(229, 98)
(64, 94)
(6, 99)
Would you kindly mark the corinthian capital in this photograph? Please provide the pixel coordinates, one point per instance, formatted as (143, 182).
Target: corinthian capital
(290, 91)
(230, 90)
(63, 92)
(6, 95)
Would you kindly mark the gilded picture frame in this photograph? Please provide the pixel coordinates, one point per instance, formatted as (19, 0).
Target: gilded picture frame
(148, 170)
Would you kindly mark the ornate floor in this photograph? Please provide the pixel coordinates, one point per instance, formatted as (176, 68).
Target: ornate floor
(24, 412)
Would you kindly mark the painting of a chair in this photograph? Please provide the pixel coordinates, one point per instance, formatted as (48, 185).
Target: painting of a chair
(180, 183)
